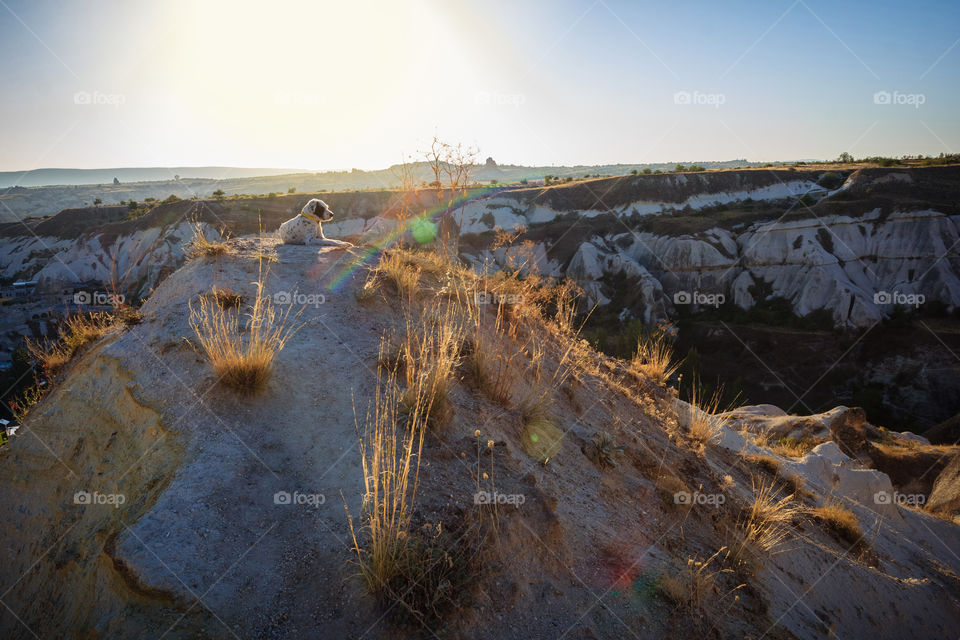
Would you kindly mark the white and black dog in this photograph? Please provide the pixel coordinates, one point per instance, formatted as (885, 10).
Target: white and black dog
(307, 228)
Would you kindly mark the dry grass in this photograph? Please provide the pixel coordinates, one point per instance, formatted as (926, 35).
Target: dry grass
(768, 463)
(76, 332)
(497, 353)
(703, 423)
(200, 247)
(22, 406)
(226, 298)
(653, 357)
(242, 355)
(765, 524)
(390, 456)
(839, 520)
(397, 272)
(424, 572)
(695, 586)
(793, 447)
(430, 355)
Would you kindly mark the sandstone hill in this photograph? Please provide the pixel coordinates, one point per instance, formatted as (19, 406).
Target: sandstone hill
(232, 523)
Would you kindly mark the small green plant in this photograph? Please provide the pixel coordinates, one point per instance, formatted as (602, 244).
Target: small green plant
(606, 449)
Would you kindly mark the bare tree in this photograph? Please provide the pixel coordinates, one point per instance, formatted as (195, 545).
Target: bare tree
(451, 166)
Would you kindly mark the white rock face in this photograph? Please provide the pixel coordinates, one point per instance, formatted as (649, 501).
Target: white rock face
(855, 269)
(136, 261)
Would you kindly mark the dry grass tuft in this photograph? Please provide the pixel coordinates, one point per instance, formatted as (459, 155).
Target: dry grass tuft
(703, 423)
(423, 572)
(226, 298)
(430, 354)
(76, 332)
(839, 520)
(763, 526)
(695, 586)
(793, 447)
(200, 247)
(768, 463)
(242, 362)
(653, 357)
(393, 270)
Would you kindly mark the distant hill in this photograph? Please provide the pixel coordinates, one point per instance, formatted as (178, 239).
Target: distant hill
(46, 177)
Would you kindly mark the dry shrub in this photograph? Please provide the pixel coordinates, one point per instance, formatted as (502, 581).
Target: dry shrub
(243, 362)
(793, 447)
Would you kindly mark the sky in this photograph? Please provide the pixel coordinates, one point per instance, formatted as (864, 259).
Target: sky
(334, 85)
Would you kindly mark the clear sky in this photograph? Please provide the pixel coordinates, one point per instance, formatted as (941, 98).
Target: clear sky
(334, 85)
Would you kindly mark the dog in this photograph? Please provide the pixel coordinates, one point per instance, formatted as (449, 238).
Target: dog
(307, 228)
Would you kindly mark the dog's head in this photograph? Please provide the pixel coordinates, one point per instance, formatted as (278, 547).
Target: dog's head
(318, 210)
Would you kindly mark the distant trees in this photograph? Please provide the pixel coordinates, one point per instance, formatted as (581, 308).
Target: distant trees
(97, 202)
(292, 190)
(845, 158)
(218, 194)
